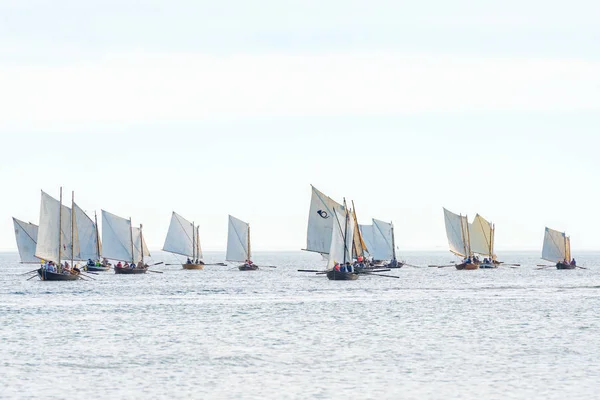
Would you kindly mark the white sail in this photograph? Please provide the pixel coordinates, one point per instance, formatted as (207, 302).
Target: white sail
(321, 221)
(349, 232)
(367, 235)
(555, 246)
(337, 248)
(481, 235)
(383, 248)
(199, 254)
(180, 237)
(116, 237)
(238, 240)
(26, 235)
(137, 254)
(88, 236)
(456, 230)
(51, 220)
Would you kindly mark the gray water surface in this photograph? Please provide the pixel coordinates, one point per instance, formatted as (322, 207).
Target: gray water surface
(434, 333)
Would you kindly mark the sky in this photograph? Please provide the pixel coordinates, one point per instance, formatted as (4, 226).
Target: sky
(237, 107)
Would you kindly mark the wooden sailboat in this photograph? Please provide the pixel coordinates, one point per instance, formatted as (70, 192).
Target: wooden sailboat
(123, 242)
(557, 249)
(384, 244)
(481, 240)
(342, 239)
(457, 231)
(57, 238)
(26, 235)
(238, 244)
(90, 247)
(183, 238)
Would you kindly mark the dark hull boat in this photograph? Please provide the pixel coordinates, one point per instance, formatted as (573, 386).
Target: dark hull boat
(394, 264)
(565, 266)
(488, 265)
(247, 267)
(97, 268)
(121, 270)
(53, 276)
(465, 266)
(334, 275)
(193, 266)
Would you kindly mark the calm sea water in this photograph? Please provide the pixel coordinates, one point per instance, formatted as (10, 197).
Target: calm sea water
(434, 333)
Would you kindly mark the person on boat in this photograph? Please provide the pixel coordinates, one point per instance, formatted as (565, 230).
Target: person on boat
(337, 267)
(75, 270)
(468, 260)
(573, 262)
(349, 267)
(565, 261)
(125, 264)
(342, 267)
(189, 261)
(119, 265)
(90, 263)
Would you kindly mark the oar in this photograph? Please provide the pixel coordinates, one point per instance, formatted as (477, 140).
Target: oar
(32, 277)
(375, 270)
(308, 270)
(410, 265)
(219, 264)
(89, 277)
(33, 270)
(175, 264)
(581, 267)
(445, 266)
(267, 266)
(158, 263)
(386, 276)
(156, 272)
(93, 273)
(511, 265)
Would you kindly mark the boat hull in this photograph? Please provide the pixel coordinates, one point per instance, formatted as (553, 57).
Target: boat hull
(465, 266)
(119, 270)
(488, 266)
(53, 276)
(565, 266)
(334, 275)
(247, 267)
(96, 268)
(193, 266)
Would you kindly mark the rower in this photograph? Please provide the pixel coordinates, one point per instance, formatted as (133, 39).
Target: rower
(189, 261)
(349, 267)
(90, 263)
(573, 262)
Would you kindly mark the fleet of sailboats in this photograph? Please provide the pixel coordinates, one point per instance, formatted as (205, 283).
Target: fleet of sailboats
(69, 234)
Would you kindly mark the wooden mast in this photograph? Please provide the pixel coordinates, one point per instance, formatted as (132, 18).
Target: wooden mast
(468, 236)
(97, 235)
(462, 235)
(72, 226)
(393, 242)
(59, 232)
(193, 242)
(360, 239)
(142, 245)
(131, 235)
(249, 256)
(345, 229)
(198, 242)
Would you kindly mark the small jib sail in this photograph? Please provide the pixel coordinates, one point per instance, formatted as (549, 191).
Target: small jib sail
(342, 238)
(321, 222)
(457, 230)
(183, 238)
(359, 246)
(481, 234)
(56, 238)
(122, 241)
(557, 246)
(383, 241)
(90, 246)
(238, 240)
(26, 235)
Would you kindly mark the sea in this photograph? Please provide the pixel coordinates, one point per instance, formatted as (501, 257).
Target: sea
(520, 332)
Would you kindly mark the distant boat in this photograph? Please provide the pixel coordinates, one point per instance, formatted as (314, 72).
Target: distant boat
(57, 238)
(340, 250)
(457, 230)
(90, 247)
(557, 249)
(238, 244)
(123, 242)
(482, 235)
(26, 235)
(381, 243)
(183, 238)
(320, 223)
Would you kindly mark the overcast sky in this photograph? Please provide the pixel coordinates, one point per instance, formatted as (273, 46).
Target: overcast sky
(236, 107)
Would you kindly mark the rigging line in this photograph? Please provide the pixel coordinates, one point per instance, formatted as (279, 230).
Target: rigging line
(239, 238)
(24, 230)
(182, 227)
(340, 227)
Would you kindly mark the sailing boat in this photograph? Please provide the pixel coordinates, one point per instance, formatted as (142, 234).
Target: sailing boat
(90, 247)
(340, 250)
(320, 222)
(26, 235)
(123, 242)
(183, 238)
(482, 234)
(57, 239)
(457, 230)
(384, 243)
(238, 244)
(557, 248)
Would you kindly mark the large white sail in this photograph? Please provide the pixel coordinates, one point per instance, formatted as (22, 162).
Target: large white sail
(199, 254)
(51, 220)
(116, 237)
(383, 248)
(137, 253)
(238, 240)
(26, 235)
(367, 235)
(321, 221)
(482, 236)
(180, 237)
(555, 246)
(456, 230)
(88, 236)
(339, 250)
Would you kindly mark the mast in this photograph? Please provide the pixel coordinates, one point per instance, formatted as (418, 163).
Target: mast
(345, 229)
(393, 242)
(566, 249)
(59, 232)
(249, 243)
(198, 242)
(131, 233)
(142, 245)
(72, 226)
(462, 235)
(492, 240)
(193, 242)
(468, 236)
(97, 236)
(360, 238)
